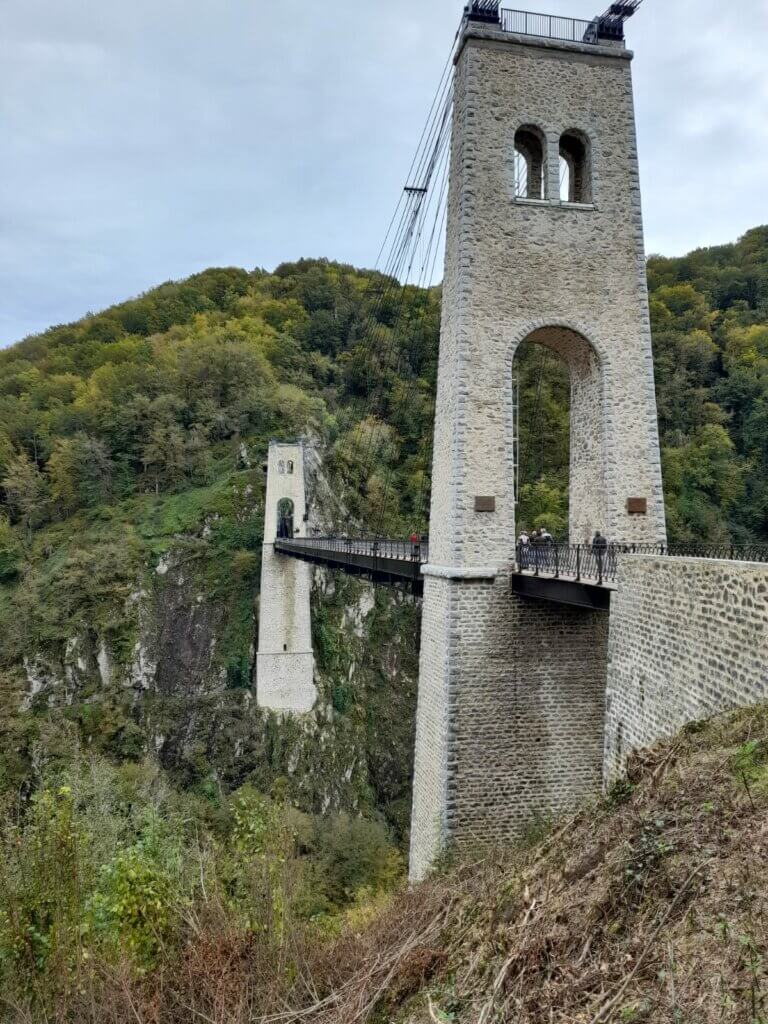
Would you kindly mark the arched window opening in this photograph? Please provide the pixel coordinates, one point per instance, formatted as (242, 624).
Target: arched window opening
(285, 518)
(559, 442)
(290, 467)
(575, 169)
(530, 163)
(281, 467)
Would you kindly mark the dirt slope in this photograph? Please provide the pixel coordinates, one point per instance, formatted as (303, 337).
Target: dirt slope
(647, 906)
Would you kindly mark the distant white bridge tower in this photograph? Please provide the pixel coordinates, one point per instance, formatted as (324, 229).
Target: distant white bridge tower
(284, 663)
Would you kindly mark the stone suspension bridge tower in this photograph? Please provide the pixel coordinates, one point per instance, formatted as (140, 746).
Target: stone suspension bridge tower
(545, 247)
(531, 696)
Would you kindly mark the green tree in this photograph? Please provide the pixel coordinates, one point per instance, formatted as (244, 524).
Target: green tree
(10, 553)
(25, 490)
(81, 471)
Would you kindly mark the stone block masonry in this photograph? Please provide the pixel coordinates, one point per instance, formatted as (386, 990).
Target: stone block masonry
(285, 663)
(688, 639)
(510, 714)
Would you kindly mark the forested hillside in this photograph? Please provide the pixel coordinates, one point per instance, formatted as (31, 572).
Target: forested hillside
(135, 765)
(131, 491)
(154, 397)
(131, 516)
(152, 814)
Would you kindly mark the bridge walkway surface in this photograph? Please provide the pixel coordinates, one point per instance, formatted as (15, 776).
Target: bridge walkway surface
(383, 559)
(576, 574)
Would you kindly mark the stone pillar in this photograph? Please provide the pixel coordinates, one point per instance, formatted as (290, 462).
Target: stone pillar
(510, 714)
(285, 663)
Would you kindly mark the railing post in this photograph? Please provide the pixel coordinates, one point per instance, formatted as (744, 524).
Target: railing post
(557, 561)
(578, 562)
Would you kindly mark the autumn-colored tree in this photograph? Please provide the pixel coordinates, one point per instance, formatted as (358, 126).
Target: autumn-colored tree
(25, 490)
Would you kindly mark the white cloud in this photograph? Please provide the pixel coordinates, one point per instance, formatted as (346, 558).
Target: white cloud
(145, 141)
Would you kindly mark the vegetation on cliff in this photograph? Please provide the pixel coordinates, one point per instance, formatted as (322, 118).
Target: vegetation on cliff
(131, 512)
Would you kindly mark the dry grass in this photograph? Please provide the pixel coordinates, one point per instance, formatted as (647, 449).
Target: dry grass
(650, 907)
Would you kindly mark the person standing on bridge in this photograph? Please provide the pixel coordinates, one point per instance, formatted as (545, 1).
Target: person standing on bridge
(523, 549)
(599, 549)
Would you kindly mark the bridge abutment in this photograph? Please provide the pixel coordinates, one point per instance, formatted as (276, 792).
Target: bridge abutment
(688, 640)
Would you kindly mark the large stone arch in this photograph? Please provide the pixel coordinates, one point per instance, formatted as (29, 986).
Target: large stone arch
(589, 370)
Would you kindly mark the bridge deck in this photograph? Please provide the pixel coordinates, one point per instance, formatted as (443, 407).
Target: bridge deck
(544, 574)
(563, 589)
(387, 561)
(567, 574)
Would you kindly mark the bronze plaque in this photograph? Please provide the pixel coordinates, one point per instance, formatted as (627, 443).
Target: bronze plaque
(637, 506)
(485, 504)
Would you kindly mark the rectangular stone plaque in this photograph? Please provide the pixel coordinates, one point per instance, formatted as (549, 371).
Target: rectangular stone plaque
(485, 504)
(637, 506)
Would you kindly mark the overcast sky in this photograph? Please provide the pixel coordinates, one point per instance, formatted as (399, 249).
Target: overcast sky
(143, 140)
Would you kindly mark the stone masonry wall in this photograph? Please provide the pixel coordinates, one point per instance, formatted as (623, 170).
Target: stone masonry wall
(510, 714)
(527, 731)
(688, 639)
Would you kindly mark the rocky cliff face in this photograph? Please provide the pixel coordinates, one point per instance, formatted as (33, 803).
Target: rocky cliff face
(163, 664)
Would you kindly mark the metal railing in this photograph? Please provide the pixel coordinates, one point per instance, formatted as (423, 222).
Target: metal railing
(549, 26)
(573, 561)
(595, 564)
(483, 10)
(372, 547)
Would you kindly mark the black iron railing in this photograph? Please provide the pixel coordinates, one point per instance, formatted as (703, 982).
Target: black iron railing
(573, 561)
(372, 547)
(483, 10)
(597, 564)
(608, 27)
(549, 26)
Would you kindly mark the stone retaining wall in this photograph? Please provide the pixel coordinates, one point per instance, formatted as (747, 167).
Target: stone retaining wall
(688, 639)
